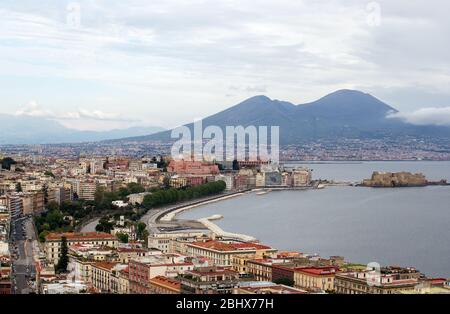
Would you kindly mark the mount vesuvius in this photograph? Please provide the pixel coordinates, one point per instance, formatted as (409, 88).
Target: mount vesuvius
(341, 114)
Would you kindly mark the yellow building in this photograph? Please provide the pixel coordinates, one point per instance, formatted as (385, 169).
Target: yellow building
(315, 278)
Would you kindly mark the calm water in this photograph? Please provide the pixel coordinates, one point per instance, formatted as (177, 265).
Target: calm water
(408, 226)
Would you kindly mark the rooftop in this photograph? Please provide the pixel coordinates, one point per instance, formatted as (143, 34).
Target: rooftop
(105, 265)
(71, 236)
(223, 246)
(317, 271)
(167, 282)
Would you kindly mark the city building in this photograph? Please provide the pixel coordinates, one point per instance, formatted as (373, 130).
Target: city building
(164, 285)
(315, 278)
(221, 252)
(184, 167)
(52, 246)
(209, 280)
(142, 269)
(387, 281)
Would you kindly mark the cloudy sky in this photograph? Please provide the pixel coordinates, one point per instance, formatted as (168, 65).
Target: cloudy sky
(110, 63)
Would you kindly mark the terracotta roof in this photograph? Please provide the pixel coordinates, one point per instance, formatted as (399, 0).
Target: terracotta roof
(104, 265)
(166, 282)
(85, 236)
(317, 271)
(222, 246)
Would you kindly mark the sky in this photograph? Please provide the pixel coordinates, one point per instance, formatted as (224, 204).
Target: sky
(98, 65)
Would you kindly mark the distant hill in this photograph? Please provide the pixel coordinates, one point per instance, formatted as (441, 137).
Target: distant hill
(34, 130)
(342, 114)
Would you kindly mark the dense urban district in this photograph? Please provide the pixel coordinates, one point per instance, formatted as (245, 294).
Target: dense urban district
(333, 149)
(107, 225)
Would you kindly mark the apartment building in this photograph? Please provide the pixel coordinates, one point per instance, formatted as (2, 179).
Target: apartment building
(387, 281)
(52, 245)
(209, 280)
(164, 285)
(316, 279)
(221, 252)
(142, 269)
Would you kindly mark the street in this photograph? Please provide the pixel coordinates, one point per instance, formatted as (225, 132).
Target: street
(23, 269)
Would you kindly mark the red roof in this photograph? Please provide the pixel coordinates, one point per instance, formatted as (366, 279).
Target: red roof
(167, 282)
(318, 271)
(105, 265)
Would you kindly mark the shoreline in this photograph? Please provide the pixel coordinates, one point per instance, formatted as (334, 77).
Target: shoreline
(169, 216)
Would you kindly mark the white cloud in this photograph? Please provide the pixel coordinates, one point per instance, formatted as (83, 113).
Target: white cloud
(32, 109)
(426, 116)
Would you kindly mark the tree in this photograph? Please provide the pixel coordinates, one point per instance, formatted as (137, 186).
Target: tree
(104, 225)
(43, 234)
(99, 196)
(52, 206)
(61, 267)
(140, 230)
(135, 188)
(48, 173)
(235, 165)
(7, 162)
(123, 237)
(18, 187)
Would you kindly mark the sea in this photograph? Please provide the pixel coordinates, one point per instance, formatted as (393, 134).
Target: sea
(401, 226)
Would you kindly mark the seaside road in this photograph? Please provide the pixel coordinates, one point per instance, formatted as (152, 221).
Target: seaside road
(151, 218)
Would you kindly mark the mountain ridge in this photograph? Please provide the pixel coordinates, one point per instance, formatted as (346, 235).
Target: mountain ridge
(341, 114)
(22, 130)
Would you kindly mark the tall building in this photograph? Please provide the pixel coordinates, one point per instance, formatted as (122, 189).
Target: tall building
(86, 190)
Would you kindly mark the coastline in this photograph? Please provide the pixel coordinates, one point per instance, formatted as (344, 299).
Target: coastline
(169, 215)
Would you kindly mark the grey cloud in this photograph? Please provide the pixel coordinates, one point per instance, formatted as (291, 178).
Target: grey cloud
(426, 116)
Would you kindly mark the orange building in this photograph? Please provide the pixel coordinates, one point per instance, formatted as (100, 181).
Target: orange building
(192, 167)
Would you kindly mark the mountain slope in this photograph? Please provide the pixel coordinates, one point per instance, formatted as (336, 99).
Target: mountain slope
(342, 114)
(34, 130)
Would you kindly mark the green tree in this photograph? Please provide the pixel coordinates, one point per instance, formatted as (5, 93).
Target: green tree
(123, 237)
(140, 230)
(235, 165)
(48, 173)
(104, 225)
(135, 188)
(42, 235)
(18, 187)
(61, 267)
(99, 196)
(52, 206)
(7, 162)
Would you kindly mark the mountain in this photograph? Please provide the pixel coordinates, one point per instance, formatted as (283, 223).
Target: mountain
(35, 130)
(342, 114)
